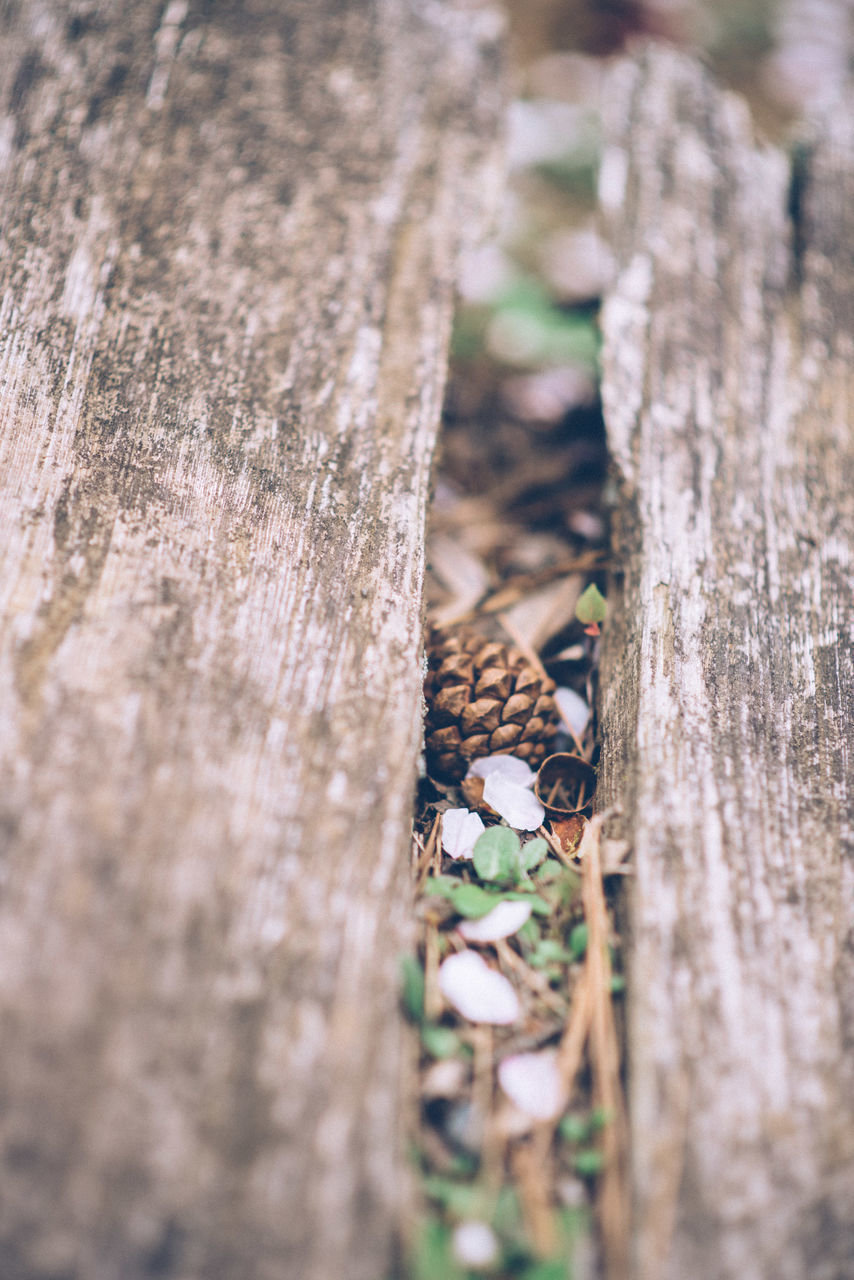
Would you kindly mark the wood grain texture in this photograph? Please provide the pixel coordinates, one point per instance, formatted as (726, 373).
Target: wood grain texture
(728, 709)
(229, 236)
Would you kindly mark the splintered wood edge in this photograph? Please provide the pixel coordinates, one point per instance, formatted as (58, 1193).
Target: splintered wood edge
(727, 674)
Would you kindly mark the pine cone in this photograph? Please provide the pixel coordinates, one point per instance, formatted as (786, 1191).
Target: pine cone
(483, 698)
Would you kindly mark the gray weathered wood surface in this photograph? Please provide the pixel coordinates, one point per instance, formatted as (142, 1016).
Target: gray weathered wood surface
(229, 236)
(729, 676)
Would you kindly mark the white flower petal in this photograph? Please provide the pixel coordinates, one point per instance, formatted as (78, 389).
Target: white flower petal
(504, 919)
(532, 1083)
(460, 831)
(508, 766)
(519, 807)
(476, 991)
(574, 711)
(475, 1245)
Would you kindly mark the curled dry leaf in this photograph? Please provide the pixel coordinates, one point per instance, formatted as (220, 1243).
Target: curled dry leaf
(565, 784)
(516, 804)
(505, 919)
(476, 991)
(568, 831)
(472, 789)
(460, 832)
(532, 1082)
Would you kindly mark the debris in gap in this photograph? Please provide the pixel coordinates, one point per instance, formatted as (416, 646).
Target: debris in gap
(515, 1146)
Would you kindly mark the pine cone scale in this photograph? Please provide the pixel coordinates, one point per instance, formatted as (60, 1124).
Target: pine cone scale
(483, 697)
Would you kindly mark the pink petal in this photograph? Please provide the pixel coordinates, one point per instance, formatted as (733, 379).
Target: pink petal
(476, 991)
(532, 1082)
(504, 919)
(508, 766)
(518, 806)
(460, 831)
(475, 1245)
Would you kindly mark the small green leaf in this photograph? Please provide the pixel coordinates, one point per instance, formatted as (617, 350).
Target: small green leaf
(539, 906)
(440, 886)
(496, 854)
(471, 901)
(618, 984)
(432, 1257)
(550, 1269)
(599, 1117)
(462, 1199)
(440, 1042)
(574, 1128)
(589, 1163)
(412, 987)
(529, 933)
(551, 952)
(533, 853)
(578, 940)
(591, 606)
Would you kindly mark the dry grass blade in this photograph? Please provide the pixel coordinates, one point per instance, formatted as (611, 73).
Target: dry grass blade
(542, 613)
(530, 1165)
(535, 981)
(426, 853)
(612, 1203)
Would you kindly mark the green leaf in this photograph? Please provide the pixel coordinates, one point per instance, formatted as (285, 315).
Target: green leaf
(550, 1269)
(412, 987)
(440, 1042)
(461, 1199)
(578, 940)
(432, 1257)
(539, 906)
(574, 1128)
(471, 901)
(588, 1163)
(550, 952)
(440, 886)
(533, 853)
(529, 933)
(618, 983)
(592, 606)
(496, 854)
(599, 1117)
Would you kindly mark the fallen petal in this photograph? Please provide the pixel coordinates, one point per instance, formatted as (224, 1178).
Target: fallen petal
(574, 711)
(532, 1082)
(475, 1245)
(505, 919)
(516, 805)
(476, 991)
(445, 1079)
(508, 766)
(460, 831)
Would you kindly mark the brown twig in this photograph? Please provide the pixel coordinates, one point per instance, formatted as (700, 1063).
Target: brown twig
(537, 983)
(612, 1203)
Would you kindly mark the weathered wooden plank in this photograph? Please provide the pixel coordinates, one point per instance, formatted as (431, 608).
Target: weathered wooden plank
(229, 236)
(729, 676)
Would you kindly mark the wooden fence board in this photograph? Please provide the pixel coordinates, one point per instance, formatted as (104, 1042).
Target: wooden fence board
(229, 236)
(729, 675)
